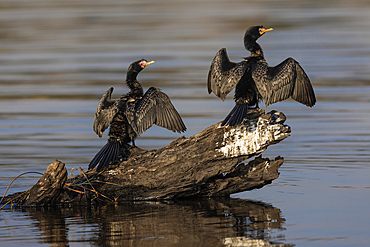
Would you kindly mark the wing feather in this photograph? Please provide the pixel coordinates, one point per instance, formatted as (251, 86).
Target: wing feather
(223, 75)
(155, 107)
(105, 112)
(285, 80)
(304, 92)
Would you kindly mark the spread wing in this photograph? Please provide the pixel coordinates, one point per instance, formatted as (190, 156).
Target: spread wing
(154, 107)
(285, 80)
(223, 75)
(105, 112)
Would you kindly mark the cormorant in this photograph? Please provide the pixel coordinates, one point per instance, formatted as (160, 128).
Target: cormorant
(131, 115)
(255, 80)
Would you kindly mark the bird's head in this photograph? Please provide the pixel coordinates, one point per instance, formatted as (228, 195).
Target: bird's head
(256, 31)
(251, 35)
(139, 65)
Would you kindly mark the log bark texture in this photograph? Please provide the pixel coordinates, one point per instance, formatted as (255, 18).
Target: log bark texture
(205, 164)
(49, 187)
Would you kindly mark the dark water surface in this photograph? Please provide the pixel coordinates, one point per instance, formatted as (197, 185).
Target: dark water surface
(58, 57)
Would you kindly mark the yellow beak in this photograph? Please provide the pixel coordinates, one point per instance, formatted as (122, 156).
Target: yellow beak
(148, 63)
(262, 31)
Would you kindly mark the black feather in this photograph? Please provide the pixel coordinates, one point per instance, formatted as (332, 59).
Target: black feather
(132, 115)
(255, 81)
(236, 116)
(106, 155)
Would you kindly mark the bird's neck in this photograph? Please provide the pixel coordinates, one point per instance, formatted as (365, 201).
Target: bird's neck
(252, 46)
(133, 84)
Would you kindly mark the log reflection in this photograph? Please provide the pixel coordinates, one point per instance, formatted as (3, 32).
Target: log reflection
(207, 222)
(52, 225)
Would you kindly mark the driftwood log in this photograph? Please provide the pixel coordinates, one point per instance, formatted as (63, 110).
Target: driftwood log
(207, 164)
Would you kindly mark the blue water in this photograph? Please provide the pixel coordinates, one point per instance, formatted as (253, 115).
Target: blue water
(57, 58)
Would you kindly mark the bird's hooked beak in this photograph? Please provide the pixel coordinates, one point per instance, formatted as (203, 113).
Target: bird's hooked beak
(264, 30)
(143, 64)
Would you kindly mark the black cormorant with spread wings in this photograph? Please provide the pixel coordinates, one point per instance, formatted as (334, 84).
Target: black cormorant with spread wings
(131, 115)
(254, 80)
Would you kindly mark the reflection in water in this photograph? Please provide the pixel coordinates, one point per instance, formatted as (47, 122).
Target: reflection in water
(58, 57)
(209, 222)
(52, 225)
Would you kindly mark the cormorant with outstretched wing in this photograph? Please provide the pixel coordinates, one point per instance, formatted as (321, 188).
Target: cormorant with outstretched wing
(254, 80)
(131, 115)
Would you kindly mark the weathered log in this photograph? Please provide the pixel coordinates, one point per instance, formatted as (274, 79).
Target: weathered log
(205, 164)
(47, 190)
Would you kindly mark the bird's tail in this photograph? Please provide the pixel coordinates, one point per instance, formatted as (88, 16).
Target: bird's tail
(108, 154)
(236, 116)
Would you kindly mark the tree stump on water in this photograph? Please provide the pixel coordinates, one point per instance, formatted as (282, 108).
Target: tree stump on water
(49, 187)
(205, 164)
